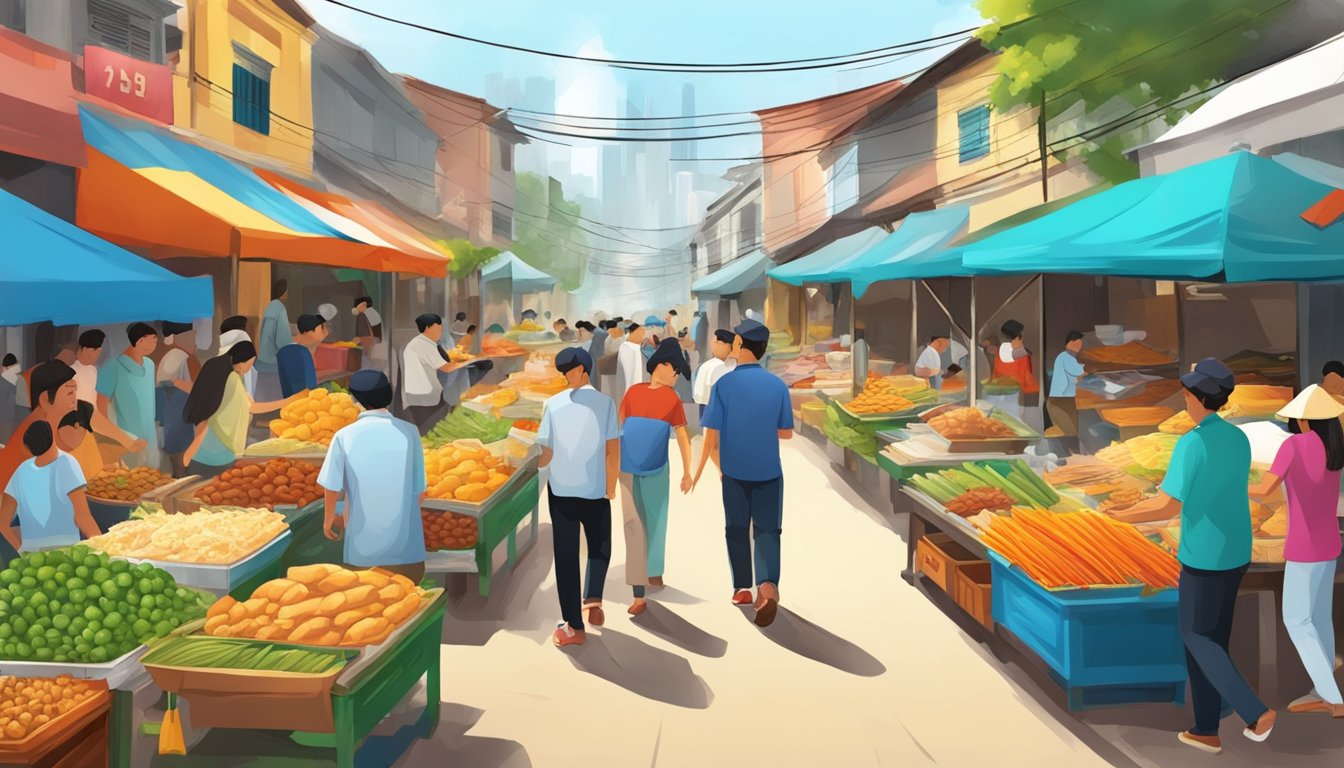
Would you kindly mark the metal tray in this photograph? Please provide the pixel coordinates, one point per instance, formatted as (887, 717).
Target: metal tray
(479, 508)
(117, 672)
(221, 577)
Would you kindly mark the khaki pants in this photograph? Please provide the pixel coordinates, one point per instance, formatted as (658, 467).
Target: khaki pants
(644, 502)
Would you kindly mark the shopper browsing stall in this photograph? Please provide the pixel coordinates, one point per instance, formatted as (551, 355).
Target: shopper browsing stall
(650, 414)
(1063, 403)
(177, 369)
(220, 410)
(274, 335)
(368, 330)
(53, 386)
(47, 493)
(294, 361)
(1308, 466)
(580, 440)
(749, 414)
(378, 466)
(720, 362)
(1206, 484)
(126, 394)
(423, 360)
(232, 331)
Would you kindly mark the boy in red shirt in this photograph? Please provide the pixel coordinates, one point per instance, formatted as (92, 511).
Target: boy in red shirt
(650, 413)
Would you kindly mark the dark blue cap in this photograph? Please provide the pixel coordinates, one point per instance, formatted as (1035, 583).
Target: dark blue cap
(751, 330)
(570, 358)
(1210, 377)
(368, 380)
(669, 351)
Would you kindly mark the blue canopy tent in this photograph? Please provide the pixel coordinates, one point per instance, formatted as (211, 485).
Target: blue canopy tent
(915, 251)
(522, 278)
(1234, 219)
(54, 271)
(741, 274)
(824, 264)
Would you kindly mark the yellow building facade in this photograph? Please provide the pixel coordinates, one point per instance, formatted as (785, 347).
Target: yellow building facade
(244, 78)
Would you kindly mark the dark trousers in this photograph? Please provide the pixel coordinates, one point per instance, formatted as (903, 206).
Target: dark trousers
(424, 417)
(758, 506)
(1207, 601)
(207, 471)
(568, 514)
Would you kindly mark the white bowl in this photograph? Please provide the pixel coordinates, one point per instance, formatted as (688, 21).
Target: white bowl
(838, 361)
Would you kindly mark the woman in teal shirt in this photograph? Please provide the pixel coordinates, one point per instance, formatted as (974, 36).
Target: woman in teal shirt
(220, 410)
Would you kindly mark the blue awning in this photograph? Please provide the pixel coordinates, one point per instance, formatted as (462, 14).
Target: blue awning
(54, 271)
(740, 274)
(915, 251)
(526, 278)
(1236, 219)
(824, 264)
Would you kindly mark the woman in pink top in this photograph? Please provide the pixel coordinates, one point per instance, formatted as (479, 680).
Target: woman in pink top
(1308, 465)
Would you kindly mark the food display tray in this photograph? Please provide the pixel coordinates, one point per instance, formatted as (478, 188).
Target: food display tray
(117, 672)
(31, 749)
(222, 578)
(478, 509)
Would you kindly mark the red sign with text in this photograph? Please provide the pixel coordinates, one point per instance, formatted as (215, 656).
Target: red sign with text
(139, 86)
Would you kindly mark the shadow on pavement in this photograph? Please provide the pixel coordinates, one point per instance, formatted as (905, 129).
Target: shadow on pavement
(450, 744)
(642, 669)
(517, 601)
(661, 622)
(796, 634)
(674, 596)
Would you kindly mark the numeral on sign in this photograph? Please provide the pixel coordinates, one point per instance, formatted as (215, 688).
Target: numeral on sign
(140, 84)
(137, 84)
(110, 75)
(125, 82)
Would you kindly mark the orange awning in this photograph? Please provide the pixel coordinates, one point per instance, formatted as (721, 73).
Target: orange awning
(417, 252)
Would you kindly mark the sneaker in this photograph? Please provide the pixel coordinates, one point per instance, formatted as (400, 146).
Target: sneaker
(593, 614)
(566, 635)
(1211, 744)
(742, 597)
(1262, 728)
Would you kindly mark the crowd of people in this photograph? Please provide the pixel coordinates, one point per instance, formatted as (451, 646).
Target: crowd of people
(610, 436)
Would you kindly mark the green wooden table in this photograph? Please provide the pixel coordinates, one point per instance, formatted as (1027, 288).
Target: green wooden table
(496, 525)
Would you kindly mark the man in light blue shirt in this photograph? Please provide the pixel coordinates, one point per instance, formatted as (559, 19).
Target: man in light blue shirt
(580, 447)
(1063, 404)
(274, 336)
(126, 394)
(378, 464)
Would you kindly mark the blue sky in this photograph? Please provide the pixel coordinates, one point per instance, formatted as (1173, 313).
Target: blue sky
(686, 30)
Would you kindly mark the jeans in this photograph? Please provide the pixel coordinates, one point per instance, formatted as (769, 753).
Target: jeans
(568, 514)
(1307, 592)
(644, 516)
(760, 506)
(1207, 601)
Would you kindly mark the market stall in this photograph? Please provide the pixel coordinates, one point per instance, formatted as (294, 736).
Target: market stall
(734, 288)
(505, 280)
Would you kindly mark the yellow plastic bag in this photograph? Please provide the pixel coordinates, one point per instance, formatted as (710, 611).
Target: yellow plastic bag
(170, 732)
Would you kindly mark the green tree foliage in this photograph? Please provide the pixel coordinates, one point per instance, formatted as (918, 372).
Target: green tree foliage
(547, 233)
(1121, 57)
(467, 258)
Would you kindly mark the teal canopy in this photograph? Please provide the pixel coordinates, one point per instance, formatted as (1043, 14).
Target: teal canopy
(1234, 219)
(526, 278)
(51, 270)
(915, 251)
(741, 274)
(824, 264)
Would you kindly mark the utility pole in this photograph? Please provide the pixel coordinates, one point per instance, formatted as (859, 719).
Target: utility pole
(1040, 138)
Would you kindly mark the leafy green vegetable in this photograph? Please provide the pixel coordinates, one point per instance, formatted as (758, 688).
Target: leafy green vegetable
(466, 424)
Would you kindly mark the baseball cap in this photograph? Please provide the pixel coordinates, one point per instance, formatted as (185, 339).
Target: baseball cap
(570, 358)
(752, 331)
(1210, 377)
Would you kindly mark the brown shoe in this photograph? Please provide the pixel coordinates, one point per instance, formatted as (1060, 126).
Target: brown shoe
(1311, 706)
(766, 612)
(1211, 744)
(592, 614)
(1263, 727)
(655, 581)
(742, 597)
(566, 635)
(638, 607)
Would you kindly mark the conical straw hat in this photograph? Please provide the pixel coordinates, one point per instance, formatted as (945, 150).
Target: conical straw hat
(1313, 403)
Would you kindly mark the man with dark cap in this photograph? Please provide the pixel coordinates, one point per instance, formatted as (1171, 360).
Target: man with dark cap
(650, 414)
(378, 466)
(1206, 484)
(580, 447)
(749, 413)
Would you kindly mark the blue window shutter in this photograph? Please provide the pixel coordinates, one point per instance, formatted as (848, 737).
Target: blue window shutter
(251, 100)
(973, 133)
(263, 106)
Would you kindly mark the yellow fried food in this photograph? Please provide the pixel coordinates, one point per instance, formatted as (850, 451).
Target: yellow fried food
(210, 536)
(316, 418)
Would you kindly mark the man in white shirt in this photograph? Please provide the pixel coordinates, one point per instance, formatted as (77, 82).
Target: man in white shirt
(930, 363)
(629, 361)
(710, 371)
(580, 441)
(421, 390)
(86, 364)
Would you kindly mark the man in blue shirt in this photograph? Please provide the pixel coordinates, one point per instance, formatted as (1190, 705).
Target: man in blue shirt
(273, 336)
(749, 412)
(378, 465)
(126, 394)
(1063, 404)
(295, 360)
(1206, 484)
(580, 447)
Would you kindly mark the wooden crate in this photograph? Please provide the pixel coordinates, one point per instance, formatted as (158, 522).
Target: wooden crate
(971, 590)
(938, 557)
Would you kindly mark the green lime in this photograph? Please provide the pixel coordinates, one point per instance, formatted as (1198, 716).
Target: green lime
(76, 583)
(83, 571)
(70, 610)
(46, 572)
(99, 655)
(123, 580)
(62, 577)
(103, 637)
(78, 624)
(37, 559)
(29, 614)
(43, 609)
(88, 634)
(78, 596)
(93, 613)
(6, 631)
(28, 583)
(9, 576)
(10, 650)
(92, 561)
(157, 615)
(145, 586)
(34, 630)
(93, 591)
(120, 566)
(141, 628)
(23, 651)
(18, 603)
(19, 625)
(101, 574)
(147, 601)
(162, 601)
(38, 598)
(112, 620)
(59, 621)
(62, 595)
(163, 629)
(45, 654)
(38, 640)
